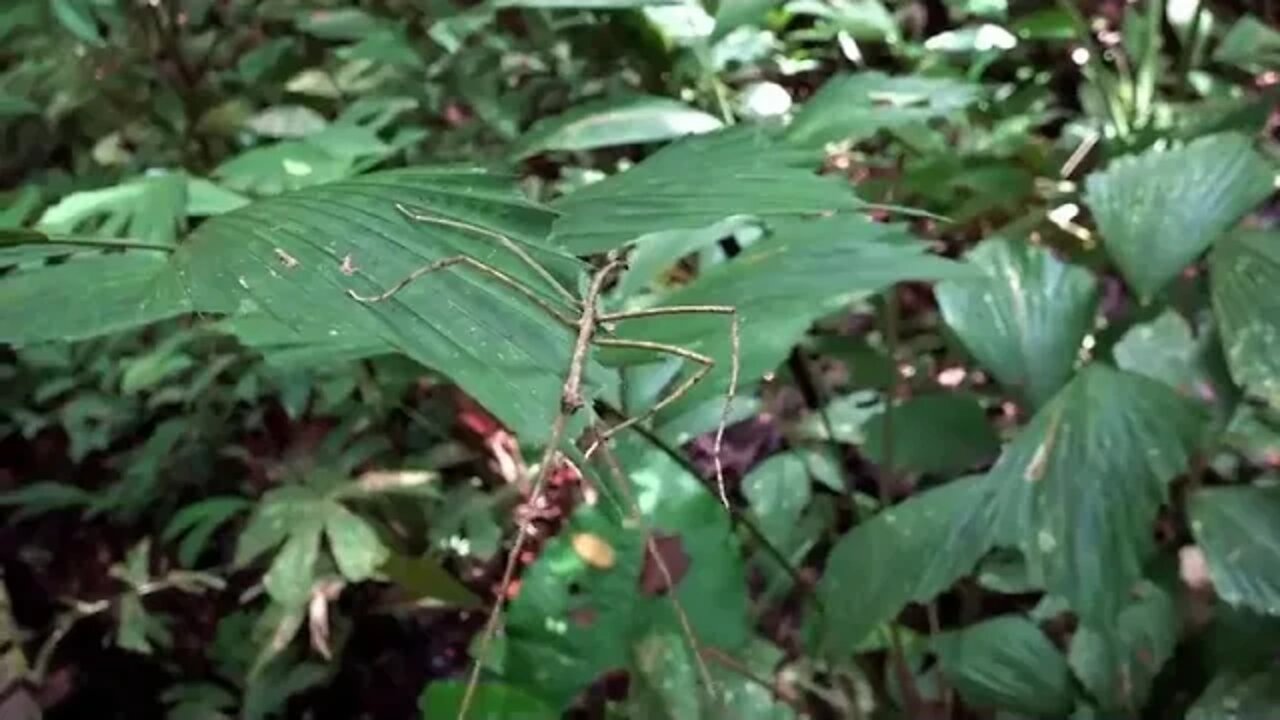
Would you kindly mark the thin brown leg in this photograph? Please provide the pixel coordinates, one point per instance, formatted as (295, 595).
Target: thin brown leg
(493, 272)
(506, 242)
(705, 362)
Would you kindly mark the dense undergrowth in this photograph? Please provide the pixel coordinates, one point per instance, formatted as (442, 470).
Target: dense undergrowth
(1003, 443)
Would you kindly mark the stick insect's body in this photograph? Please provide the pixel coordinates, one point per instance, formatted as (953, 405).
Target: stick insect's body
(588, 322)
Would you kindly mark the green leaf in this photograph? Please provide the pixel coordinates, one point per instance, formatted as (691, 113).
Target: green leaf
(1118, 666)
(1235, 696)
(778, 490)
(615, 121)
(1025, 318)
(1162, 349)
(133, 620)
(583, 4)
(694, 183)
(292, 572)
(279, 513)
(355, 544)
(1238, 529)
(126, 290)
(803, 270)
(1160, 210)
(1244, 269)
(893, 559)
(44, 496)
(76, 16)
(934, 434)
(150, 208)
(286, 121)
(295, 258)
(339, 24)
(425, 581)
(492, 701)
(1078, 489)
(197, 522)
(1007, 663)
(1249, 44)
(856, 107)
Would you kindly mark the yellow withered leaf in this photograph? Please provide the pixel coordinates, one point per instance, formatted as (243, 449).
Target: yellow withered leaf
(594, 550)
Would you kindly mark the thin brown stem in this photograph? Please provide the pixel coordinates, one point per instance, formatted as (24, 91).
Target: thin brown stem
(570, 403)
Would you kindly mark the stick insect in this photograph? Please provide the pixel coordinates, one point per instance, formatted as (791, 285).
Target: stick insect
(589, 323)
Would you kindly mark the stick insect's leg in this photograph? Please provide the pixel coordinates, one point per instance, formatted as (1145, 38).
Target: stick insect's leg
(495, 273)
(503, 240)
(705, 362)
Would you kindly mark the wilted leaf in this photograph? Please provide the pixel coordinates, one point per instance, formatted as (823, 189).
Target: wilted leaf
(1078, 489)
(1160, 210)
(1238, 528)
(1025, 318)
(1245, 268)
(893, 558)
(1007, 663)
(610, 122)
(938, 433)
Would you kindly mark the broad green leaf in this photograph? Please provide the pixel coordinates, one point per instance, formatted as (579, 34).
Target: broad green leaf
(1007, 663)
(1118, 666)
(132, 625)
(733, 14)
(856, 107)
(278, 514)
(1162, 349)
(355, 544)
(1249, 44)
(324, 157)
(694, 183)
(778, 490)
(1236, 696)
(802, 271)
(288, 581)
(1160, 210)
(1078, 489)
(1238, 529)
(44, 496)
(77, 17)
(934, 434)
(288, 347)
(349, 23)
(573, 621)
(149, 208)
(89, 295)
(615, 121)
(295, 257)
(492, 701)
(893, 559)
(1024, 318)
(1244, 269)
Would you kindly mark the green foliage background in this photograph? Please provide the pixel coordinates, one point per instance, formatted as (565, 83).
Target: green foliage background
(1006, 433)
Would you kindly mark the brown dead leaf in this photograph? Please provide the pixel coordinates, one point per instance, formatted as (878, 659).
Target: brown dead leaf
(665, 564)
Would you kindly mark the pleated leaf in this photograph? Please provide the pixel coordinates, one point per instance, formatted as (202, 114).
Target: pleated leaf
(1023, 319)
(1078, 489)
(893, 559)
(1238, 529)
(1245, 272)
(624, 121)
(1009, 664)
(1160, 210)
(694, 183)
(293, 259)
